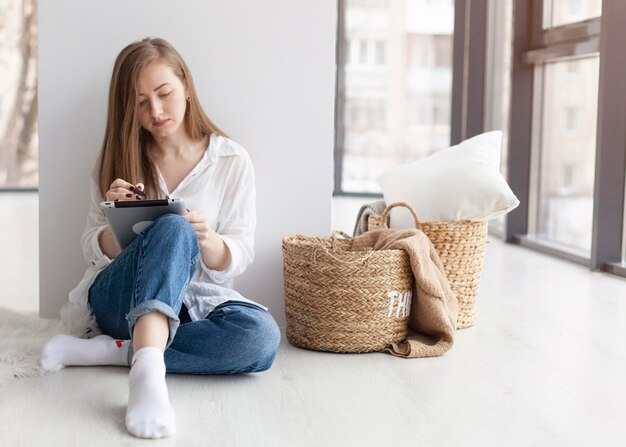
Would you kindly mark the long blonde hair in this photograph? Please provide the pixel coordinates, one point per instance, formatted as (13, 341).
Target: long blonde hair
(124, 153)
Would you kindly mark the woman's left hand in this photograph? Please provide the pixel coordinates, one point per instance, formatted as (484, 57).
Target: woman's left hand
(201, 226)
(215, 253)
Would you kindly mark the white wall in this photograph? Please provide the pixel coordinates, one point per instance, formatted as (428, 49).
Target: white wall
(265, 74)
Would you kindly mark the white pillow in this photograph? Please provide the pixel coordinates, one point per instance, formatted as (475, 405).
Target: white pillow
(456, 183)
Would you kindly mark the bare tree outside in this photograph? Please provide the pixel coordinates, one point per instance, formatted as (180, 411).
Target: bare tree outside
(19, 160)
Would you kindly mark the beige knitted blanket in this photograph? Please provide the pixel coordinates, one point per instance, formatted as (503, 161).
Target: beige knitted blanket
(432, 320)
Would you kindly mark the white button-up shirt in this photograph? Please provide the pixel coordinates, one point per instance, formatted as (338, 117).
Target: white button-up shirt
(220, 186)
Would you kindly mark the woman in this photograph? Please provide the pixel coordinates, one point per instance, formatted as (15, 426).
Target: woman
(166, 302)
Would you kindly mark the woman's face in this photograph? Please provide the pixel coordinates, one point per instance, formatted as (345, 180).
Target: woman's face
(161, 100)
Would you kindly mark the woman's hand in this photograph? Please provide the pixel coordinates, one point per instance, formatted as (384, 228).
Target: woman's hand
(214, 251)
(119, 190)
(201, 226)
(122, 190)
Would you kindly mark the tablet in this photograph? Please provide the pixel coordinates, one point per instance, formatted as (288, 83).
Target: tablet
(128, 218)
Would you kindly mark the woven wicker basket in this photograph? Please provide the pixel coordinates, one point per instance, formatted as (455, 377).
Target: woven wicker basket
(344, 301)
(461, 247)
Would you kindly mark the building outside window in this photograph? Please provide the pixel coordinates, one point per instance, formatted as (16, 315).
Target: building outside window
(19, 160)
(566, 156)
(561, 12)
(380, 53)
(396, 105)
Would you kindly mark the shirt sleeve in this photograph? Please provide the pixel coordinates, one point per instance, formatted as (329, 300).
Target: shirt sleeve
(237, 219)
(96, 223)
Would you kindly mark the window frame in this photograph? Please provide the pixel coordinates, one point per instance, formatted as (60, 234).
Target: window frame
(340, 102)
(601, 35)
(532, 46)
(610, 180)
(340, 98)
(469, 60)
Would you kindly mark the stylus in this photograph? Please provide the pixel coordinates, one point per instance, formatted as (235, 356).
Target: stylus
(139, 191)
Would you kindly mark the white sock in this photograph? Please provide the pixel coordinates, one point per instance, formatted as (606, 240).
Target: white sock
(63, 350)
(149, 414)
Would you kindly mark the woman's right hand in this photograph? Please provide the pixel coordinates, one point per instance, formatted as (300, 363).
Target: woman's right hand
(121, 190)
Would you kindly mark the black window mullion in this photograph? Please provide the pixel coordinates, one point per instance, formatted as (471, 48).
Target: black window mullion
(459, 73)
(477, 68)
(468, 73)
(527, 34)
(608, 210)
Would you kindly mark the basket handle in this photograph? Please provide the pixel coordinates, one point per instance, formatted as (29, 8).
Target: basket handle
(336, 235)
(395, 204)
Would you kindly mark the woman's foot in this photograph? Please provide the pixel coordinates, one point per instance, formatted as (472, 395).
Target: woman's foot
(149, 414)
(64, 350)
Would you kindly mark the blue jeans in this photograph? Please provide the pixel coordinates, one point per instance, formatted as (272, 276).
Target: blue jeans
(152, 274)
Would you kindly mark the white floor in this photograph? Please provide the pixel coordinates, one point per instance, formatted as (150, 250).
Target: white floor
(543, 366)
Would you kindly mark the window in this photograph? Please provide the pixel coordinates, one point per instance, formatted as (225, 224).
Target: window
(19, 159)
(572, 67)
(395, 106)
(571, 118)
(567, 176)
(566, 155)
(363, 52)
(380, 53)
(560, 12)
(417, 54)
(428, 111)
(429, 51)
(365, 113)
(570, 169)
(566, 102)
(443, 50)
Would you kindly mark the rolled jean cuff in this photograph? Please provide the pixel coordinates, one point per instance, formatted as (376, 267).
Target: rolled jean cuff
(151, 306)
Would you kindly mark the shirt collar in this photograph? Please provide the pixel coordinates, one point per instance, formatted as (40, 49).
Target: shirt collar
(218, 147)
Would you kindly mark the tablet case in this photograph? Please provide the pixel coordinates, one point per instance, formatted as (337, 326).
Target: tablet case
(128, 218)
